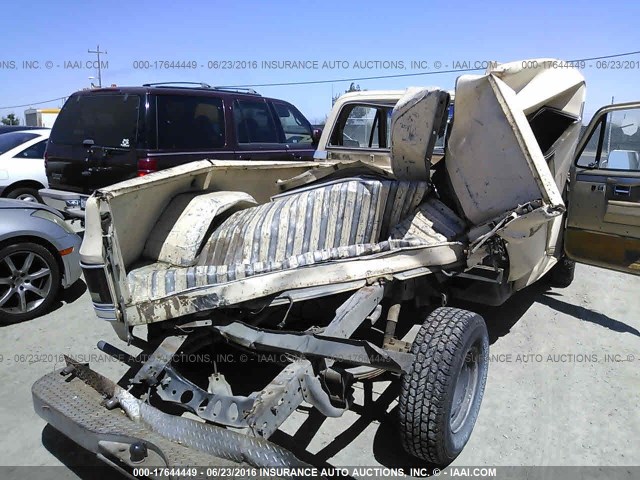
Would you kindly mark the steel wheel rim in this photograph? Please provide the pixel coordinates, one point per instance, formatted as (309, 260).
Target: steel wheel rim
(27, 197)
(466, 389)
(25, 282)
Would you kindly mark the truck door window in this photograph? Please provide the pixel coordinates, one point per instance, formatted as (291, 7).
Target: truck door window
(362, 126)
(296, 128)
(621, 141)
(615, 142)
(589, 156)
(188, 122)
(254, 122)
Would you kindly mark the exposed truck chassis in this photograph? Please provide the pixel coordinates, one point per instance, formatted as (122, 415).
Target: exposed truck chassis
(321, 369)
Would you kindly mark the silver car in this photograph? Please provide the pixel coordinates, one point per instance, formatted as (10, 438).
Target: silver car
(39, 253)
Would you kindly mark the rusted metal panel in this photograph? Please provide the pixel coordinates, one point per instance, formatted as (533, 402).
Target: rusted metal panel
(146, 309)
(297, 230)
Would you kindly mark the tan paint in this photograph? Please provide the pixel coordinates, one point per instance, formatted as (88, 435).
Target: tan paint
(605, 250)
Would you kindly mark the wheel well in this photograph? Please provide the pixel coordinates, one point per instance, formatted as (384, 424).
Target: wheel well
(22, 184)
(40, 241)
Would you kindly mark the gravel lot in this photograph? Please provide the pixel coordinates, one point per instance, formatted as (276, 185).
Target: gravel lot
(563, 388)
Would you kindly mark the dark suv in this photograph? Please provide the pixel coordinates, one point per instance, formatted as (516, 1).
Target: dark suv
(106, 135)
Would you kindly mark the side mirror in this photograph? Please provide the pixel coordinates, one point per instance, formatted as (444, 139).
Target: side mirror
(315, 135)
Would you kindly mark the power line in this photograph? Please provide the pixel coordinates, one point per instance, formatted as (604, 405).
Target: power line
(33, 103)
(378, 77)
(314, 82)
(603, 57)
(433, 72)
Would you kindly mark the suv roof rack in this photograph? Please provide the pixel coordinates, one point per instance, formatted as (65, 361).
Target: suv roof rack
(249, 91)
(161, 84)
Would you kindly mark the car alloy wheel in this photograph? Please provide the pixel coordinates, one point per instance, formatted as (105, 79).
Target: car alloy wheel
(29, 281)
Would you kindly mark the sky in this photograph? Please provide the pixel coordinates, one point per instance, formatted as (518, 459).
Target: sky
(140, 36)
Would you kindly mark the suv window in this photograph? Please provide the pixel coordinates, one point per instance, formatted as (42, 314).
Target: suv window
(34, 151)
(11, 140)
(362, 126)
(109, 120)
(254, 122)
(296, 128)
(188, 122)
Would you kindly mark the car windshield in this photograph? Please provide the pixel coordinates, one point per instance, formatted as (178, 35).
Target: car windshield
(109, 120)
(11, 140)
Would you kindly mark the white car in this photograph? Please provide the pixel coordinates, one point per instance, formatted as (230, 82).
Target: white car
(22, 171)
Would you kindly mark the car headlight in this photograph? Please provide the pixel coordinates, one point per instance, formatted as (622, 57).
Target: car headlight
(52, 217)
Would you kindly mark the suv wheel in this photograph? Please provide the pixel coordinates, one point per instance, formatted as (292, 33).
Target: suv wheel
(26, 194)
(29, 281)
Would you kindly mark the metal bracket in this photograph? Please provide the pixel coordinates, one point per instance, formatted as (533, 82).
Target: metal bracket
(223, 409)
(159, 359)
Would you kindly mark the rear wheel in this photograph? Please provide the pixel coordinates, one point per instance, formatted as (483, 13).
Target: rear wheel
(26, 194)
(29, 281)
(440, 397)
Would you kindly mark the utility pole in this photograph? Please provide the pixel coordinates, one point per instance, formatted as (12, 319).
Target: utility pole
(98, 52)
(609, 125)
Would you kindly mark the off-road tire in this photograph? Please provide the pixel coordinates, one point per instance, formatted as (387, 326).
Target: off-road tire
(449, 339)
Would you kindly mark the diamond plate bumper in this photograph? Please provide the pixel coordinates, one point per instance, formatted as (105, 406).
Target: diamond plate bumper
(77, 410)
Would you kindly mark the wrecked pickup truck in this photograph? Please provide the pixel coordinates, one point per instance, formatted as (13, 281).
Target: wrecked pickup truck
(343, 270)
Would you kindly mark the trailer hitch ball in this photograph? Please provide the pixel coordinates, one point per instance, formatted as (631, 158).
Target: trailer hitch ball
(138, 452)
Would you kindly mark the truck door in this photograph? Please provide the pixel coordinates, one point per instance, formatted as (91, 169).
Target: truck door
(603, 220)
